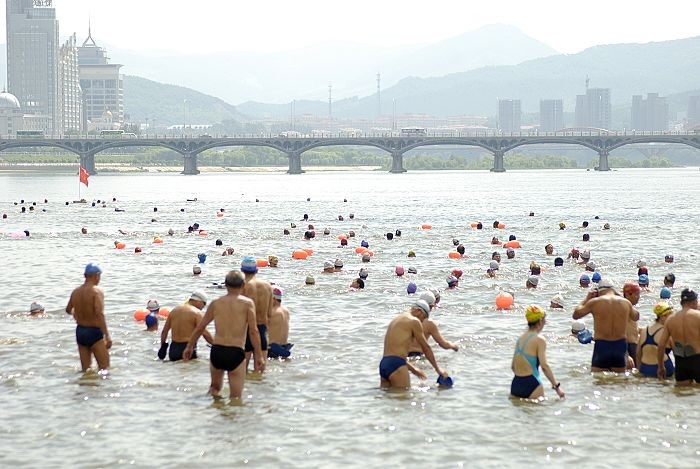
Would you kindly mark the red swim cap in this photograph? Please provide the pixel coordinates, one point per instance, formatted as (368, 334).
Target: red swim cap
(629, 288)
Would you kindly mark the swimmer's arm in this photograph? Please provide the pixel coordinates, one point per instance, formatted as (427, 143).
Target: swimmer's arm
(69, 306)
(435, 334)
(661, 352)
(254, 334)
(634, 314)
(542, 357)
(99, 305)
(427, 351)
(415, 371)
(208, 337)
(639, 350)
(584, 308)
(208, 317)
(166, 330)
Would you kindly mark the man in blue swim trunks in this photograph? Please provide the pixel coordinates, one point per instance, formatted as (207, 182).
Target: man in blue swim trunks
(86, 303)
(611, 312)
(402, 331)
(260, 291)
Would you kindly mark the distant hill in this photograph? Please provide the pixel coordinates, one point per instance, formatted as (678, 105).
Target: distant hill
(666, 67)
(145, 100)
(305, 73)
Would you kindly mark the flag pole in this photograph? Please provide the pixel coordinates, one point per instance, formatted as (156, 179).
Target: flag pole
(80, 166)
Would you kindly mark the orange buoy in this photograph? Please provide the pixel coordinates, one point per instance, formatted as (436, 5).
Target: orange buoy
(371, 253)
(140, 314)
(219, 214)
(504, 300)
(473, 225)
(501, 226)
(342, 236)
(454, 255)
(262, 262)
(157, 241)
(425, 226)
(360, 250)
(308, 251)
(512, 244)
(164, 312)
(120, 245)
(300, 254)
(203, 233)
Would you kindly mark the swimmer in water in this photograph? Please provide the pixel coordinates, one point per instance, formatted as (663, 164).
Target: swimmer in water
(631, 292)
(182, 321)
(86, 304)
(530, 355)
(260, 291)
(683, 329)
(611, 313)
(669, 280)
(273, 261)
(279, 327)
(532, 282)
(151, 319)
(510, 253)
(401, 332)
(430, 329)
(549, 249)
(648, 347)
(328, 267)
(36, 309)
(357, 284)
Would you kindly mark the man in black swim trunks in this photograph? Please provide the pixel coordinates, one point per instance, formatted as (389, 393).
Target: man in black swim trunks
(86, 304)
(234, 315)
(183, 320)
(684, 328)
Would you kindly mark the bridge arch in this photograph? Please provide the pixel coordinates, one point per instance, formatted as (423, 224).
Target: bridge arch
(347, 142)
(31, 143)
(555, 141)
(465, 142)
(691, 142)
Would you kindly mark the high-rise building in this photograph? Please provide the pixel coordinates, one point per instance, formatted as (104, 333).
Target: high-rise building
(551, 115)
(650, 113)
(32, 61)
(509, 115)
(693, 116)
(70, 103)
(101, 83)
(593, 110)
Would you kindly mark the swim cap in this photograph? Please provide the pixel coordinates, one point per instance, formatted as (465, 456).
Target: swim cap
(641, 263)
(152, 305)
(630, 288)
(558, 262)
(457, 273)
(364, 273)
(562, 225)
(688, 295)
(662, 309)
(423, 306)
(494, 265)
(412, 270)
(351, 234)
(596, 277)
(171, 231)
(364, 244)
(511, 238)
(455, 242)
(202, 257)
(412, 287)
(510, 251)
(310, 280)
(670, 278)
(668, 257)
(35, 307)
(585, 279)
(411, 253)
(277, 293)
(578, 326)
(366, 257)
(533, 279)
(326, 231)
(604, 284)
(219, 242)
(399, 270)
(151, 320)
(461, 249)
(93, 268)
(327, 265)
(533, 313)
(452, 280)
(644, 279)
(198, 296)
(249, 265)
(196, 269)
(343, 242)
(428, 297)
(272, 259)
(338, 263)
(665, 293)
(390, 236)
(590, 264)
(558, 300)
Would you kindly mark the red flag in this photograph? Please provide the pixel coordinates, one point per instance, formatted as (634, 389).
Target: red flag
(84, 175)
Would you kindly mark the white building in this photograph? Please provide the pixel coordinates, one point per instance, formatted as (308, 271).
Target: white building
(10, 115)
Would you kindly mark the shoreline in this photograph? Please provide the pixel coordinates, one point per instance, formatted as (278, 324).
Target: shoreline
(128, 169)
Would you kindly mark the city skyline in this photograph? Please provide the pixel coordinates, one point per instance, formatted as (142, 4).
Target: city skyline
(298, 26)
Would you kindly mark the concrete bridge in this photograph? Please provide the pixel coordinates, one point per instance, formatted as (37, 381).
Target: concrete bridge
(498, 144)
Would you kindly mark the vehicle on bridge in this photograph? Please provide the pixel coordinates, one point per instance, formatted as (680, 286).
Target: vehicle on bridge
(30, 134)
(350, 133)
(414, 132)
(290, 134)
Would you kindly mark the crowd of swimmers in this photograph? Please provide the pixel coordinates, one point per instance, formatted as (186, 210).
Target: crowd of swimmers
(251, 322)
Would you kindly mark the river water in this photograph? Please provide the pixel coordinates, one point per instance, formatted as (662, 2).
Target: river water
(324, 408)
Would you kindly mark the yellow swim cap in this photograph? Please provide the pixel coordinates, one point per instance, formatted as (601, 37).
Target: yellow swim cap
(662, 309)
(533, 313)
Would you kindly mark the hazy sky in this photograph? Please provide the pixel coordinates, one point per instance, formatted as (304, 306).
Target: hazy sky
(273, 25)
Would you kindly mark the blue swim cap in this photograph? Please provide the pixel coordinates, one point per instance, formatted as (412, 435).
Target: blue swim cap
(202, 257)
(665, 293)
(447, 382)
(585, 279)
(151, 320)
(93, 268)
(585, 336)
(249, 265)
(596, 277)
(364, 244)
(644, 279)
(412, 287)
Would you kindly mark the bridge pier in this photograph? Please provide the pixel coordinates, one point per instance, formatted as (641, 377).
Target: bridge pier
(190, 164)
(498, 162)
(87, 161)
(294, 163)
(397, 163)
(603, 164)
